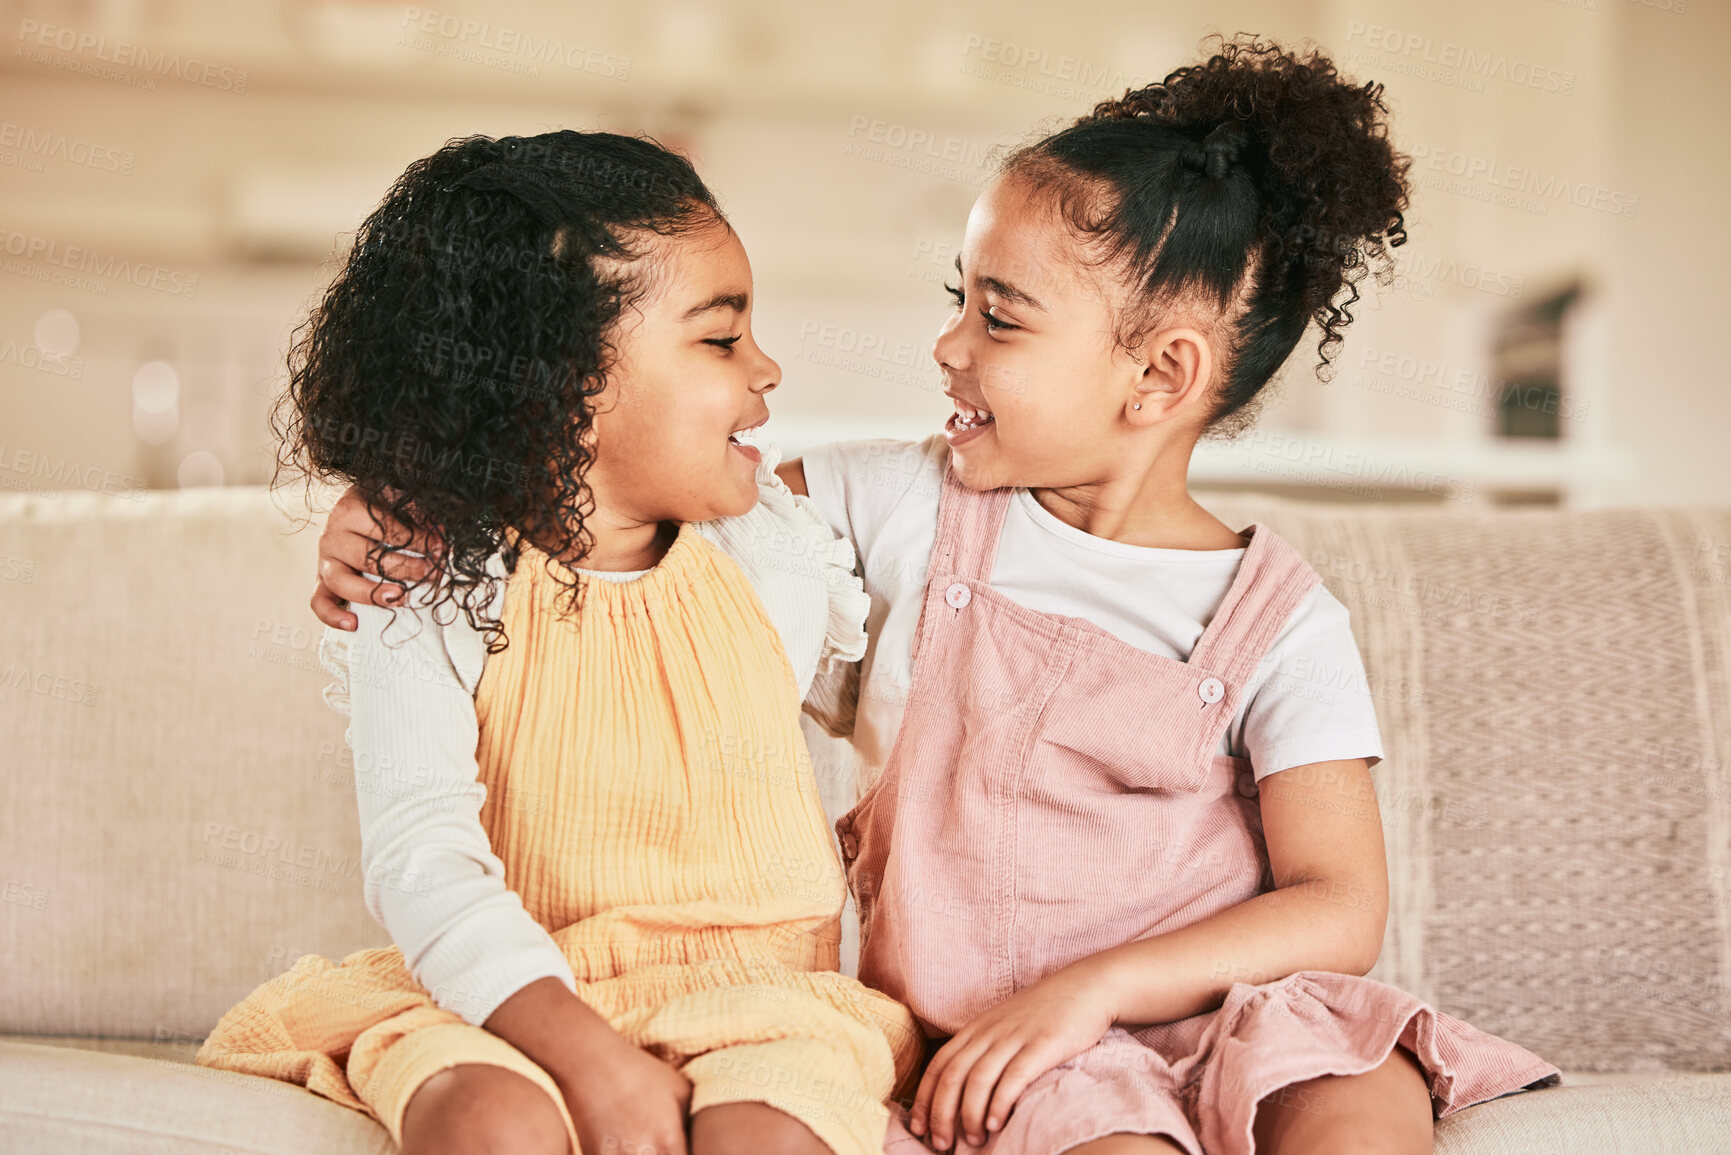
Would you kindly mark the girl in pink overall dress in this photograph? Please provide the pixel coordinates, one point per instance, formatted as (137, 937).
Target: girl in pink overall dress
(1053, 792)
(1057, 865)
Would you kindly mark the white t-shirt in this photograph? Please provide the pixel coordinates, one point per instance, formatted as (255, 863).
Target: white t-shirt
(1307, 702)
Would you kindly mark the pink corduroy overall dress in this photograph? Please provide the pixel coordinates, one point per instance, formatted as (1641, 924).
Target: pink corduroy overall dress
(1053, 792)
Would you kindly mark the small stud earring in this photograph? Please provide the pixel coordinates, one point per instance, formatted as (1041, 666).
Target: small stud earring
(1138, 405)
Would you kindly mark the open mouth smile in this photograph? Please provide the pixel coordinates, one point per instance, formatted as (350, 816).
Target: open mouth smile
(740, 440)
(967, 422)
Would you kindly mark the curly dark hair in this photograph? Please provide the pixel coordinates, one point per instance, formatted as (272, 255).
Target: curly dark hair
(449, 371)
(1259, 179)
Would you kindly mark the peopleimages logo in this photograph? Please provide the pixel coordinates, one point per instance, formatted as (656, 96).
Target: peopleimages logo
(86, 47)
(910, 146)
(36, 357)
(1037, 69)
(90, 263)
(1422, 55)
(1484, 178)
(42, 144)
(31, 472)
(451, 35)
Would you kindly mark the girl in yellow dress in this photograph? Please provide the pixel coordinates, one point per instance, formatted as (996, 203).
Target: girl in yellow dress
(589, 819)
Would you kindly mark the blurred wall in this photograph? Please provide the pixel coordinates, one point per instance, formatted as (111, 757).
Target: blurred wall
(176, 175)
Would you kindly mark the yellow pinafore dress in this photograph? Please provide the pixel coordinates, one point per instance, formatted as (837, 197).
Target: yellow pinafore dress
(678, 854)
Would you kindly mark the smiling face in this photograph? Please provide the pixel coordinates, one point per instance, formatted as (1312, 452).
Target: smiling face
(688, 377)
(1044, 393)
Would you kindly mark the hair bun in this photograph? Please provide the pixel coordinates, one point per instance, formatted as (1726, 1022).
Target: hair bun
(1260, 179)
(1218, 151)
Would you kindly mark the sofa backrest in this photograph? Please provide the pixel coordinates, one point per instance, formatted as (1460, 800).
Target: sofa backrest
(1554, 694)
(179, 821)
(1553, 688)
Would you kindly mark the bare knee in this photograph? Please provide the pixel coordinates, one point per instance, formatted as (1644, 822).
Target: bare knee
(751, 1129)
(1384, 1111)
(473, 1109)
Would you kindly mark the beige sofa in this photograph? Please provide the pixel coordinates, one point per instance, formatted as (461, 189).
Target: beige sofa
(1555, 696)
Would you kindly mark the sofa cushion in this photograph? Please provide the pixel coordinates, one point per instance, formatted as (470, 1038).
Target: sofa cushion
(1554, 694)
(1651, 1115)
(62, 1101)
(180, 821)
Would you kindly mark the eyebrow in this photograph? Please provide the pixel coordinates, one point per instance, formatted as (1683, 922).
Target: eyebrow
(1004, 289)
(733, 300)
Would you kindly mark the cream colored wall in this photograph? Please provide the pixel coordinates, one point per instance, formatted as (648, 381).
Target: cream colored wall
(247, 190)
(1669, 398)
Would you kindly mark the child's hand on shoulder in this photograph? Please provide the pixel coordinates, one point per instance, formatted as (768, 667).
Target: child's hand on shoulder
(975, 1078)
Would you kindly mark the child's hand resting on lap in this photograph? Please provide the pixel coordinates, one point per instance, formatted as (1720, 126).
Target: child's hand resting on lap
(973, 1081)
(623, 1092)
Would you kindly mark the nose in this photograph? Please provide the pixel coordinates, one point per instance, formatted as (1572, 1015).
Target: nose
(767, 375)
(950, 349)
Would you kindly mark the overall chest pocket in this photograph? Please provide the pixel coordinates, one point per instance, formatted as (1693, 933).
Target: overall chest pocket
(1114, 727)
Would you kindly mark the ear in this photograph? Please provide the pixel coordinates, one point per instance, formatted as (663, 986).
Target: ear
(1178, 365)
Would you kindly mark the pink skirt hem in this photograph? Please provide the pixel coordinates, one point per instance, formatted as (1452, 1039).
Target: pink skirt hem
(1314, 1023)
(1201, 1088)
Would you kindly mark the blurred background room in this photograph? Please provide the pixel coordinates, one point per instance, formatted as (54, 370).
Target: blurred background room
(177, 177)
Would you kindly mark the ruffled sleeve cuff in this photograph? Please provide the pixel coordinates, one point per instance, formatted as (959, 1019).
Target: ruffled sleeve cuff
(334, 657)
(844, 637)
(802, 572)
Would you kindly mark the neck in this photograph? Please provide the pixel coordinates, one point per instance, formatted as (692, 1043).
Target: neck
(623, 543)
(1146, 504)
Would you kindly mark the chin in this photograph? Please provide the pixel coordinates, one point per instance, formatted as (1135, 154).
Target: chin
(739, 502)
(976, 470)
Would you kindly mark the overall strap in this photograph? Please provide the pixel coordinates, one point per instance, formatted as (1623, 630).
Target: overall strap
(1272, 580)
(965, 546)
(968, 526)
